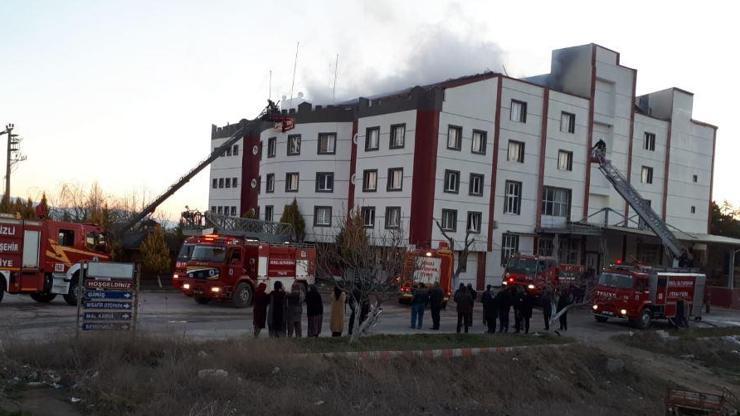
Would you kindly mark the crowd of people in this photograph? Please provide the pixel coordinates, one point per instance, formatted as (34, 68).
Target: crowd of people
(282, 312)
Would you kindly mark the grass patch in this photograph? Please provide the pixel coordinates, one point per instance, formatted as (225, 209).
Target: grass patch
(423, 342)
(13, 413)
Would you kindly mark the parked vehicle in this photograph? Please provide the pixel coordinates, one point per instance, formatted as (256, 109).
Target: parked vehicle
(534, 273)
(428, 266)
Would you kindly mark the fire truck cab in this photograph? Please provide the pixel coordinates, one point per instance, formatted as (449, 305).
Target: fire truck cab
(639, 294)
(533, 273)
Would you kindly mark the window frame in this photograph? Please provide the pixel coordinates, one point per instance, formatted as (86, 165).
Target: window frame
(235, 150)
(482, 184)
(387, 216)
(294, 138)
(553, 190)
(523, 111)
(569, 156)
(214, 183)
(388, 180)
(364, 175)
(507, 250)
(235, 182)
(483, 142)
(480, 222)
(459, 131)
(271, 210)
(446, 212)
(220, 183)
(316, 209)
(287, 182)
(646, 175)
(318, 143)
(392, 136)
(227, 182)
(648, 141)
(520, 156)
(324, 174)
(448, 173)
(269, 189)
(571, 122)
(271, 147)
(367, 139)
(363, 212)
(514, 207)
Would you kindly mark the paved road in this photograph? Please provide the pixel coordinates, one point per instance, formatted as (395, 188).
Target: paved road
(175, 314)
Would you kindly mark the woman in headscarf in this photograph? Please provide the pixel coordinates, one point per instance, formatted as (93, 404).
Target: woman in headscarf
(337, 312)
(277, 313)
(259, 309)
(314, 311)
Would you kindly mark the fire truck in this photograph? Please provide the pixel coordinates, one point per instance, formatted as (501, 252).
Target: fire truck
(637, 293)
(428, 266)
(237, 254)
(41, 258)
(534, 273)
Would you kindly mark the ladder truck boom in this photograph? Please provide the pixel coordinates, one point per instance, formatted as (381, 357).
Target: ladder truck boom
(640, 205)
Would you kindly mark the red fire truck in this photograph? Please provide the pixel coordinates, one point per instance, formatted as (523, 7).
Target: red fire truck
(427, 266)
(534, 273)
(639, 294)
(41, 258)
(227, 268)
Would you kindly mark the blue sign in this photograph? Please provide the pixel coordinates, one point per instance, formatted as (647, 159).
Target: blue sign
(106, 305)
(107, 316)
(107, 294)
(104, 326)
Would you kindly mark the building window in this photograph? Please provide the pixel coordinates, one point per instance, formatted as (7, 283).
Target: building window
(479, 142)
(233, 211)
(649, 142)
(294, 144)
(228, 183)
(213, 208)
(324, 181)
(516, 151)
(270, 183)
(693, 209)
(220, 182)
(368, 216)
(646, 176)
(291, 182)
(449, 220)
(395, 179)
(398, 133)
(556, 202)
(215, 183)
(234, 182)
(565, 160)
(228, 152)
(392, 218)
(454, 137)
(327, 144)
(544, 246)
(567, 122)
(696, 178)
(271, 146)
(370, 180)
(452, 181)
(513, 197)
(372, 138)
(518, 111)
(476, 185)
(220, 209)
(474, 222)
(235, 150)
(509, 246)
(322, 216)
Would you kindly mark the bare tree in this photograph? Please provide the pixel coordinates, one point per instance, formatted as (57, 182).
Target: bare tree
(462, 259)
(365, 266)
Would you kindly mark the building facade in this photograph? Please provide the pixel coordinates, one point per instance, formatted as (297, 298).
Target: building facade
(504, 160)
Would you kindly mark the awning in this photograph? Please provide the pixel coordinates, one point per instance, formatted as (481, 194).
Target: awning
(581, 228)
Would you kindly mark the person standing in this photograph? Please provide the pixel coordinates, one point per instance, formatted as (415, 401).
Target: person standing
(336, 323)
(490, 309)
(464, 301)
(517, 296)
(259, 309)
(436, 298)
(680, 319)
(295, 310)
(418, 304)
(504, 306)
(563, 302)
(546, 301)
(277, 312)
(314, 311)
(526, 310)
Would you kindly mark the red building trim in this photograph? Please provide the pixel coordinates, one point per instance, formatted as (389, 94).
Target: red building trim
(632, 135)
(711, 182)
(543, 148)
(424, 179)
(664, 208)
(352, 169)
(250, 170)
(494, 164)
(480, 277)
(589, 140)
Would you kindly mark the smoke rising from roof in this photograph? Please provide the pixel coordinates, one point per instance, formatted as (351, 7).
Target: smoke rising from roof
(439, 55)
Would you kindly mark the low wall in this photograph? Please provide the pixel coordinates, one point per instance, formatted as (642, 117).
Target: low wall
(724, 297)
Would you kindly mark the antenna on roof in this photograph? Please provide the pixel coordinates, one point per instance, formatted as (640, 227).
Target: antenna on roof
(292, 84)
(269, 87)
(334, 86)
(504, 67)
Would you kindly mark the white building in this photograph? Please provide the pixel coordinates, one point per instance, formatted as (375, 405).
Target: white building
(507, 159)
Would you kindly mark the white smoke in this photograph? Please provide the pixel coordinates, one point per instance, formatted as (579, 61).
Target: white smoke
(439, 55)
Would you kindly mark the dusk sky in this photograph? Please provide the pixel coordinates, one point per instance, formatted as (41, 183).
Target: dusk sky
(124, 93)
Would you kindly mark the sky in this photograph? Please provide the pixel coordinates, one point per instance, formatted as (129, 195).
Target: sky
(123, 93)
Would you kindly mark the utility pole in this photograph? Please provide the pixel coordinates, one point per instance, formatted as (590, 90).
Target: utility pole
(13, 147)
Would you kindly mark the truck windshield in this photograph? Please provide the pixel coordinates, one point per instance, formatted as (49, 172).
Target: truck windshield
(211, 254)
(185, 252)
(619, 281)
(525, 266)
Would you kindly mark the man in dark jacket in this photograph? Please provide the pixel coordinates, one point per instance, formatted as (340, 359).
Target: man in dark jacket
(526, 310)
(546, 303)
(564, 299)
(504, 306)
(517, 296)
(436, 298)
(277, 312)
(490, 309)
(464, 301)
(418, 304)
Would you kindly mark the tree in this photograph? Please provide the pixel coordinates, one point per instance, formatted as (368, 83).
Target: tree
(292, 215)
(725, 220)
(155, 256)
(462, 258)
(365, 266)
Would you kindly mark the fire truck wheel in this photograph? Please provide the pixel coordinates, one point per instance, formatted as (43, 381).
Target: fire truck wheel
(2, 289)
(601, 318)
(645, 318)
(201, 300)
(43, 297)
(242, 296)
(74, 291)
